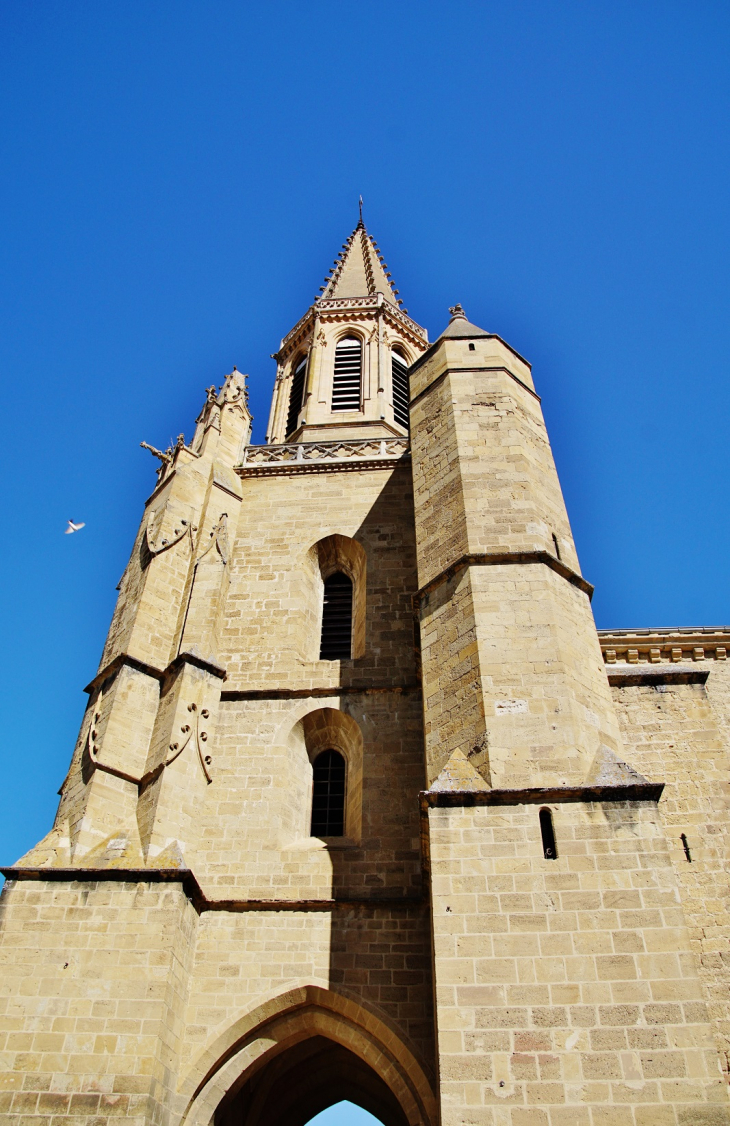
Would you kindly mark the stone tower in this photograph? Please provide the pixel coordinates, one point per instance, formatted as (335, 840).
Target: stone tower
(351, 814)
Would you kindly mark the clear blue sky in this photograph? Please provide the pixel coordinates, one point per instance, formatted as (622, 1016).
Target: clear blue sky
(344, 1114)
(175, 180)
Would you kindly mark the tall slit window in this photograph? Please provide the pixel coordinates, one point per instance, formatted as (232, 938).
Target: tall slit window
(336, 640)
(547, 831)
(328, 795)
(296, 395)
(400, 390)
(346, 386)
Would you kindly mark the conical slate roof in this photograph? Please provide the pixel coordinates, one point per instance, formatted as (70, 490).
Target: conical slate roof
(460, 328)
(359, 271)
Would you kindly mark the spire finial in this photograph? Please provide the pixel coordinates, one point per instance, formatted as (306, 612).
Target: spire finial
(361, 224)
(457, 313)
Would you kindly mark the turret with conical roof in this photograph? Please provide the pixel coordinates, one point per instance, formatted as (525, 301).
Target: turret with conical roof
(342, 368)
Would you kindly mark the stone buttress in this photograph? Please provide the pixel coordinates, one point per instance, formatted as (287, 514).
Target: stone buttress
(142, 761)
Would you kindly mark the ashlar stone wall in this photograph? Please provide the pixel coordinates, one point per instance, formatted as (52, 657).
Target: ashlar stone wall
(566, 990)
(678, 733)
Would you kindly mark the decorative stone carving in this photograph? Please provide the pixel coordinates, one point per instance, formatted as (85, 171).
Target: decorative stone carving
(218, 539)
(179, 534)
(92, 742)
(235, 391)
(365, 448)
(192, 731)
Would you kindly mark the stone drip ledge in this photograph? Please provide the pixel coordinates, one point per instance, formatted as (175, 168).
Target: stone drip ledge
(629, 676)
(149, 670)
(197, 896)
(321, 691)
(501, 559)
(557, 795)
(549, 795)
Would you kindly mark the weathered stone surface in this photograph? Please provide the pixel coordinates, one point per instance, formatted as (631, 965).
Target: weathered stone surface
(180, 948)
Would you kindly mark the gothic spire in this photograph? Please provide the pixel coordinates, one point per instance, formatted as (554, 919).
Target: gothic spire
(359, 270)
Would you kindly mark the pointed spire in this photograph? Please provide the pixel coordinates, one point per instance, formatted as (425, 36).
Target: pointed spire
(359, 270)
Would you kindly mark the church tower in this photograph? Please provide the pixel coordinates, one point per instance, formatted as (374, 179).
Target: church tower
(350, 815)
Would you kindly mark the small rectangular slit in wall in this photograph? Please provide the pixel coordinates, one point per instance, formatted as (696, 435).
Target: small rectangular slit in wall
(549, 848)
(685, 846)
(557, 545)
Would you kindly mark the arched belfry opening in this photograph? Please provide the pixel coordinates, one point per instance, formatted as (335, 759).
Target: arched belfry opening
(305, 1079)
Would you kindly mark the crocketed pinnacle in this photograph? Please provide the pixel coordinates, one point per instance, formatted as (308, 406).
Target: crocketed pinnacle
(359, 271)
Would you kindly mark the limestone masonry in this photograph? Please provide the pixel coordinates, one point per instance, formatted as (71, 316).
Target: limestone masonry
(362, 806)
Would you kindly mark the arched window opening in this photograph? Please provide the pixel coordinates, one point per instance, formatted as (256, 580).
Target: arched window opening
(400, 390)
(346, 385)
(336, 641)
(328, 795)
(549, 848)
(296, 395)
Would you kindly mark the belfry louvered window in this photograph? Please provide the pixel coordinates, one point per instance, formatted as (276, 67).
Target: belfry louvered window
(336, 640)
(328, 795)
(346, 386)
(400, 390)
(296, 395)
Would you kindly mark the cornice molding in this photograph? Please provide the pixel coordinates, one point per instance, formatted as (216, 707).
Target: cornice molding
(294, 468)
(664, 646)
(338, 309)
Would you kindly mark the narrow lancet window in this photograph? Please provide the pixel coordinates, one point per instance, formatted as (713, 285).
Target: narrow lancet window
(549, 849)
(347, 382)
(400, 390)
(328, 795)
(296, 395)
(336, 640)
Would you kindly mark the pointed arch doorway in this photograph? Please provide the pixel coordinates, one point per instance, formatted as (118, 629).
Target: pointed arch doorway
(298, 1053)
(305, 1080)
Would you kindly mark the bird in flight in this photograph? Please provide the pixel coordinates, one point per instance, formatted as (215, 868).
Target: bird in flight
(73, 528)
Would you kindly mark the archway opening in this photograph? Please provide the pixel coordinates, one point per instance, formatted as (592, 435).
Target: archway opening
(344, 1114)
(306, 1079)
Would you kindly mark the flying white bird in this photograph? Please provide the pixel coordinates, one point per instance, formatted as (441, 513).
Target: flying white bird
(73, 528)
